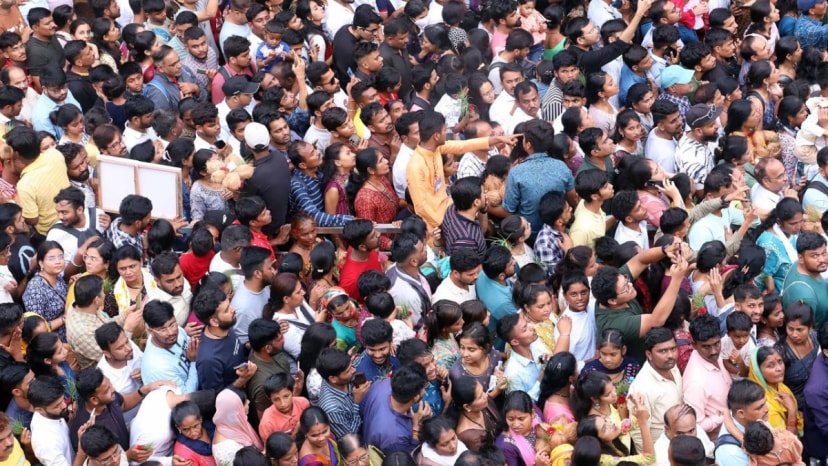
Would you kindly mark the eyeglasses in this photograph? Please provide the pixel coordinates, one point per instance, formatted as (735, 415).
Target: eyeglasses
(628, 286)
(710, 112)
(57, 258)
(362, 459)
(93, 259)
(171, 327)
(333, 80)
(114, 458)
(116, 144)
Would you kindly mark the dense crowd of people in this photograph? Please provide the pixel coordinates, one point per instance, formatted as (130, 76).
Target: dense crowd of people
(555, 233)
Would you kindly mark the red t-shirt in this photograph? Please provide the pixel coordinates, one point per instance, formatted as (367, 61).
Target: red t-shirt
(195, 268)
(351, 270)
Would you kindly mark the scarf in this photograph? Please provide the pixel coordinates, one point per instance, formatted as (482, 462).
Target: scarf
(199, 446)
(527, 450)
(121, 291)
(778, 414)
(561, 455)
(432, 455)
(231, 421)
(790, 250)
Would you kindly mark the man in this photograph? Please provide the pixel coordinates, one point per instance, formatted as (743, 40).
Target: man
(22, 252)
(658, 381)
(138, 110)
(278, 131)
(86, 314)
(473, 163)
(235, 22)
(390, 422)
(693, 154)
(365, 27)
(523, 368)
(363, 242)
(317, 134)
(537, 175)
(305, 189)
(394, 52)
(815, 194)
(81, 57)
(172, 81)
(715, 226)
(424, 173)
(615, 296)
(11, 327)
(367, 59)
(754, 48)
(50, 432)
(565, 69)
(76, 227)
(42, 177)
(128, 229)
(15, 76)
(423, 79)
(199, 55)
(408, 286)
(257, 16)
(677, 84)
(340, 13)
(219, 351)
(408, 128)
(463, 222)
(528, 105)
(338, 396)
(77, 168)
(582, 35)
(11, 104)
(667, 126)
(16, 378)
(43, 48)
(271, 179)
(170, 353)
(121, 361)
(810, 31)
(101, 446)
(803, 282)
(705, 380)
(458, 287)
(237, 53)
(384, 139)
(679, 420)
(267, 352)
(722, 45)
(376, 362)
(816, 436)
(602, 11)
(494, 285)
(55, 93)
(517, 46)
(321, 77)
(511, 74)
(747, 403)
(171, 286)
(770, 188)
(506, 19)
(181, 24)
(233, 239)
(253, 295)
(10, 451)
(238, 93)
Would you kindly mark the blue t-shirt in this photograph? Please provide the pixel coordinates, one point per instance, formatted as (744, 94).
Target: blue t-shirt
(265, 51)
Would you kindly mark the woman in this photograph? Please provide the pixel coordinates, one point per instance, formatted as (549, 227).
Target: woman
(595, 395)
(771, 322)
(600, 87)
(476, 414)
(517, 441)
(145, 46)
(537, 303)
(609, 433)
(131, 287)
(515, 231)
(734, 150)
(744, 118)
(354, 452)
(638, 174)
(287, 303)
(778, 238)
(47, 355)
(481, 94)
(478, 359)
(435, 44)
(70, 119)
(799, 347)
(768, 370)
(762, 81)
(371, 194)
(555, 41)
(206, 193)
(303, 234)
(788, 54)
(763, 16)
(96, 262)
(312, 13)
(233, 432)
(194, 440)
(387, 82)
(556, 387)
(46, 291)
(628, 135)
(708, 278)
(316, 440)
(322, 260)
(318, 336)
(442, 324)
(790, 114)
(106, 35)
(337, 167)
(613, 360)
(281, 450)
(439, 443)
(179, 154)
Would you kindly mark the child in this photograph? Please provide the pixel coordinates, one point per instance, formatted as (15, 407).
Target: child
(381, 305)
(376, 362)
(594, 188)
(532, 21)
(575, 288)
(632, 219)
(344, 312)
(766, 446)
(195, 263)
(475, 311)
(253, 213)
(737, 345)
(450, 105)
(767, 330)
(157, 20)
(272, 49)
(7, 282)
(114, 89)
(369, 283)
(286, 409)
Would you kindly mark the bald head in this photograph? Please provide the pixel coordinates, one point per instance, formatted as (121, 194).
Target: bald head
(680, 420)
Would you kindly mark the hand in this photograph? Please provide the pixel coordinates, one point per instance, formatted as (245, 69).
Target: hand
(11, 286)
(445, 391)
(700, 9)
(26, 438)
(802, 183)
(158, 384)
(565, 325)
(822, 117)
(360, 391)
(739, 194)
(138, 455)
(639, 408)
(671, 190)
(437, 234)
(442, 373)
(350, 86)
(193, 329)
(735, 356)
(750, 215)
(104, 220)
(247, 372)
(189, 88)
(298, 67)
(178, 223)
(192, 349)
(423, 413)
(313, 52)
(133, 318)
(679, 268)
(15, 348)
(715, 281)
(284, 326)
(510, 140)
(136, 375)
(298, 382)
(791, 193)
(644, 7)
(787, 401)
(180, 461)
(396, 142)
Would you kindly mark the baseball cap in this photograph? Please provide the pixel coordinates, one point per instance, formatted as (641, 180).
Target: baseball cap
(675, 74)
(256, 136)
(239, 84)
(700, 115)
(806, 5)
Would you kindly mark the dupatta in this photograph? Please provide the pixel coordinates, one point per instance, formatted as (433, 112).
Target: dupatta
(777, 413)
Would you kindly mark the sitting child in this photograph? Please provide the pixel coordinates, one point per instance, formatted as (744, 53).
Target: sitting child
(764, 445)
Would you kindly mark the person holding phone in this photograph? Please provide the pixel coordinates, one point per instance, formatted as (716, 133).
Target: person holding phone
(343, 388)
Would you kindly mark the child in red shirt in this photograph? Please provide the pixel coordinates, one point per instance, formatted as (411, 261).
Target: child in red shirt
(283, 415)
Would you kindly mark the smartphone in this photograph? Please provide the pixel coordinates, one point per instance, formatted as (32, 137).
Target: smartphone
(654, 183)
(220, 144)
(359, 379)
(354, 140)
(492, 384)
(240, 366)
(201, 72)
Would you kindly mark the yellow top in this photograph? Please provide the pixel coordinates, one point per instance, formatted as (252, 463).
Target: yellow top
(16, 458)
(39, 184)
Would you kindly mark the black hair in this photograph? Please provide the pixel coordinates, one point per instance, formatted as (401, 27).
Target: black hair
(317, 336)
(559, 368)
(376, 332)
(407, 382)
(380, 304)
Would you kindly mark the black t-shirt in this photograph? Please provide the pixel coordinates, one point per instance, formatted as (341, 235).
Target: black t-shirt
(22, 253)
(112, 418)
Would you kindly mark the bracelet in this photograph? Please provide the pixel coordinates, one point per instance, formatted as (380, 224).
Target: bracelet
(74, 264)
(664, 249)
(139, 392)
(564, 334)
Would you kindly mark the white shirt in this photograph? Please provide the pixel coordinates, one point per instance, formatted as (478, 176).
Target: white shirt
(230, 29)
(180, 303)
(50, 441)
(321, 137)
(448, 290)
(217, 264)
(293, 337)
(662, 445)
(132, 137)
(764, 199)
(624, 234)
(599, 12)
(122, 380)
(399, 169)
(435, 13)
(660, 394)
(501, 107)
(126, 13)
(68, 241)
(147, 428)
(582, 338)
(661, 151)
(337, 16)
(511, 121)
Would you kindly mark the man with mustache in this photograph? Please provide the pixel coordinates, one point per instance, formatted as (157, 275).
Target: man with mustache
(803, 282)
(10, 450)
(50, 431)
(706, 382)
(77, 226)
(659, 380)
(121, 361)
(172, 287)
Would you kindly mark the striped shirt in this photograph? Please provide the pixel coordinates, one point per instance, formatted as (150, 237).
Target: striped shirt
(460, 232)
(341, 409)
(306, 196)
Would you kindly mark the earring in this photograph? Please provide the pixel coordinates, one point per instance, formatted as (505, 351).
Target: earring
(597, 405)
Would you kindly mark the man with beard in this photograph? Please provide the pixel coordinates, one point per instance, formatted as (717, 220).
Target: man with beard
(465, 268)
(658, 381)
(803, 282)
(76, 228)
(693, 154)
(667, 126)
(172, 288)
(121, 361)
(22, 252)
(98, 395)
(528, 106)
(463, 222)
(408, 286)
(77, 168)
(86, 314)
(679, 420)
(200, 56)
(506, 18)
(705, 381)
(170, 353)
(81, 57)
(366, 27)
(221, 357)
(250, 298)
(338, 396)
(55, 94)
(43, 48)
(383, 137)
(50, 431)
(267, 351)
(10, 451)
(15, 379)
